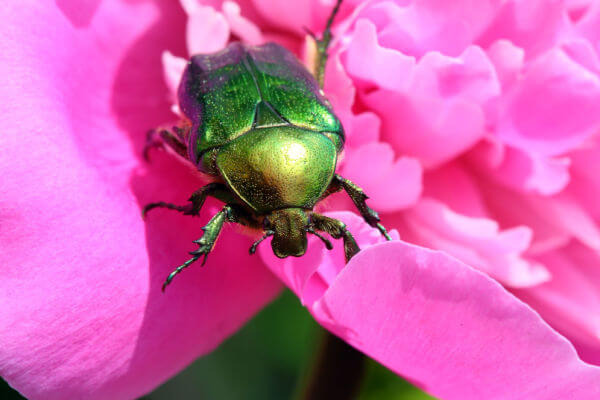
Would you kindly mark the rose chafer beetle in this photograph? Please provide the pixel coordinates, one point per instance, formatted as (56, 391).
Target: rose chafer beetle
(257, 121)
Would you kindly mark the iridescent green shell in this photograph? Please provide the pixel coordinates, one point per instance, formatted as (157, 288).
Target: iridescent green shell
(240, 88)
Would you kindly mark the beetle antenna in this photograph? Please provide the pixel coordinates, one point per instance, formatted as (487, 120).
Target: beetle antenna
(255, 244)
(323, 239)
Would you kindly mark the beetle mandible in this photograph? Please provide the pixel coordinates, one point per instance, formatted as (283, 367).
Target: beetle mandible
(257, 122)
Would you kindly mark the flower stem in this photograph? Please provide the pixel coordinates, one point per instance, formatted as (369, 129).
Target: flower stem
(336, 372)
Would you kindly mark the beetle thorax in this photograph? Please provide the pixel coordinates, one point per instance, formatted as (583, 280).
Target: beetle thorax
(278, 167)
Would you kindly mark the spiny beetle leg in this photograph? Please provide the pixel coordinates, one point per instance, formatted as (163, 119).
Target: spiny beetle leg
(206, 243)
(197, 199)
(166, 140)
(337, 229)
(359, 199)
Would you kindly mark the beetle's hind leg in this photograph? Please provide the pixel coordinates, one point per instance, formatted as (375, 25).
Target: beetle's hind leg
(197, 199)
(169, 140)
(323, 44)
(359, 198)
(337, 229)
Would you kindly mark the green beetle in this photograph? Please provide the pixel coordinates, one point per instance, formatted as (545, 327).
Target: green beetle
(259, 124)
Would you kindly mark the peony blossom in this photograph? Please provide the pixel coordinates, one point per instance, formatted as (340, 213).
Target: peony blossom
(474, 127)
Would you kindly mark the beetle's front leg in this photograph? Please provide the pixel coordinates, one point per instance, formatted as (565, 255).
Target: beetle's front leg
(337, 229)
(359, 199)
(206, 243)
(197, 199)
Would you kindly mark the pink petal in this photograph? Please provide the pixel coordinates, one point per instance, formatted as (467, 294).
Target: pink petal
(585, 185)
(589, 25)
(173, 69)
(571, 299)
(361, 129)
(289, 16)
(453, 185)
(245, 29)
(430, 129)
(476, 241)
(567, 214)
(440, 115)
(512, 208)
(207, 31)
(390, 184)
(528, 172)
(430, 25)
(446, 327)
(84, 316)
(450, 330)
(554, 108)
(533, 25)
(386, 68)
(507, 59)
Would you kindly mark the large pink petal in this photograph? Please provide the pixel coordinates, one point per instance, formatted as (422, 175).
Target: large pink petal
(446, 327)
(83, 315)
(450, 330)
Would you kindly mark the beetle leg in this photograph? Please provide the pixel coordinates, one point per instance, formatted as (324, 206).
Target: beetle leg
(359, 199)
(166, 140)
(255, 244)
(215, 189)
(323, 44)
(337, 229)
(207, 242)
(326, 242)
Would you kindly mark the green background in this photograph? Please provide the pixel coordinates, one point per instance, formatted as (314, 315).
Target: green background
(266, 359)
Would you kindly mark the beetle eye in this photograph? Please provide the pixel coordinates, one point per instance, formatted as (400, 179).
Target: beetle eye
(266, 224)
(337, 140)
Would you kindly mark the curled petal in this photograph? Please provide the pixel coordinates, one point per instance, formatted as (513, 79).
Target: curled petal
(207, 31)
(555, 107)
(476, 241)
(241, 26)
(173, 70)
(385, 68)
(441, 114)
(390, 184)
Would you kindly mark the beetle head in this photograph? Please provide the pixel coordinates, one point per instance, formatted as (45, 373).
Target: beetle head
(289, 226)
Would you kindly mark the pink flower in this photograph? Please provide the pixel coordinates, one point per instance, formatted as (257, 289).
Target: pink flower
(473, 126)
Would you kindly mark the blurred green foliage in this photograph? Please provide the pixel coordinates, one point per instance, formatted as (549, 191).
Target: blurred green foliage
(266, 359)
